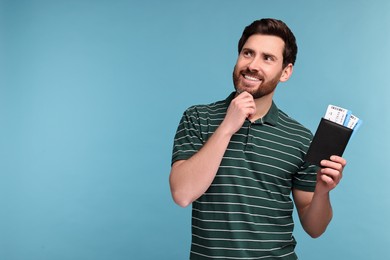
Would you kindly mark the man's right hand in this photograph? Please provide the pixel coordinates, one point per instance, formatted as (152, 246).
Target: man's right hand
(241, 107)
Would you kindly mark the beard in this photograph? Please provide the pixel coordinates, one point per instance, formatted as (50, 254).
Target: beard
(264, 88)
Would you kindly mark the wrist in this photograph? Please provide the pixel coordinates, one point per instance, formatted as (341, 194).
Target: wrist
(225, 130)
(321, 193)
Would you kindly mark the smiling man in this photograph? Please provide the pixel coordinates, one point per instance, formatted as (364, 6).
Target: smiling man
(237, 161)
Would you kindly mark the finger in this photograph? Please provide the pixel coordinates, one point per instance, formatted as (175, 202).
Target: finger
(338, 159)
(327, 179)
(332, 164)
(246, 102)
(247, 106)
(331, 173)
(245, 97)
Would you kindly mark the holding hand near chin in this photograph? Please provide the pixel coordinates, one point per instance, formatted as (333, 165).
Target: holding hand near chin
(330, 174)
(241, 107)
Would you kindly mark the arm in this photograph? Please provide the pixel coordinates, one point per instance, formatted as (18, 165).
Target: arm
(314, 208)
(189, 179)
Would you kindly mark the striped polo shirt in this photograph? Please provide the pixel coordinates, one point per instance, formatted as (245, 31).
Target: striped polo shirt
(247, 211)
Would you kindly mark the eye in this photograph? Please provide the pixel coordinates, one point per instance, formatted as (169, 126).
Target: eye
(269, 58)
(247, 53)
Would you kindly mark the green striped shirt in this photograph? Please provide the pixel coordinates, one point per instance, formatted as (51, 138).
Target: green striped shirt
(247, 211)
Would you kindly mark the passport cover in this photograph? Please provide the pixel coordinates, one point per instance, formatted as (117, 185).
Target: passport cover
(329, 139)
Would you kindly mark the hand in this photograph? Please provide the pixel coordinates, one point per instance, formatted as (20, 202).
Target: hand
(329, 176)
(242, 106)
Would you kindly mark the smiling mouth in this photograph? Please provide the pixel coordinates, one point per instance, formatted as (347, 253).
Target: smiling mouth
(254, 79)
(251, 78)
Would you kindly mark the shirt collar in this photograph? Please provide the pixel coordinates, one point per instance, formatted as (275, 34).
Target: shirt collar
(272, 115)
(270, 118)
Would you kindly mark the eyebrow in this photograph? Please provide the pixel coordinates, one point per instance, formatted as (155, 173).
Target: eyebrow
(247, 49)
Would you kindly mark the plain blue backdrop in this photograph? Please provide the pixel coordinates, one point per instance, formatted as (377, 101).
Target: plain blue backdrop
(92, 91)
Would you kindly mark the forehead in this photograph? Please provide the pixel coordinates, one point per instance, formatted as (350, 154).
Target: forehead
(265, 44)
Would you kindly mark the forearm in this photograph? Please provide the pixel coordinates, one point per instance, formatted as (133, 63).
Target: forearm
(317, 215)
(190, 179)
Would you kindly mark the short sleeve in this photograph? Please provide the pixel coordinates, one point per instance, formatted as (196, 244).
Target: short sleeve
(188, 139)
(306, 178)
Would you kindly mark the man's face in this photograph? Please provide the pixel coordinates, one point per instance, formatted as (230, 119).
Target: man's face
(259, 66)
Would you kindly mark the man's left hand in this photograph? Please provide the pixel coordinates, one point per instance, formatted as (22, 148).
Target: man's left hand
(330, 174)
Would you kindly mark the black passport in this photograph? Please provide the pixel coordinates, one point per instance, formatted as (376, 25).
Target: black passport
(330, 139)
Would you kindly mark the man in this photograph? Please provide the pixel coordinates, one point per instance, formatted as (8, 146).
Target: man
(237, 161)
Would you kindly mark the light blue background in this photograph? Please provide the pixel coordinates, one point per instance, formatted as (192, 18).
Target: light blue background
(92, 92)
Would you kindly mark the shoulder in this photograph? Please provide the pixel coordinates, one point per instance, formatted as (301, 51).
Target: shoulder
(213, 109)
(202, 120)
(292, 125)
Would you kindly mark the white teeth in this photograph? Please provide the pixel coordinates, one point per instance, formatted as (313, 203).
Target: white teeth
(251, 78)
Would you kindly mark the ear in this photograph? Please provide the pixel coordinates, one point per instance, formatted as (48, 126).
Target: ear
(287, 72)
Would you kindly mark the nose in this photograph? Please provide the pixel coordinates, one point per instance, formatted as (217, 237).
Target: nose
(254, 64)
